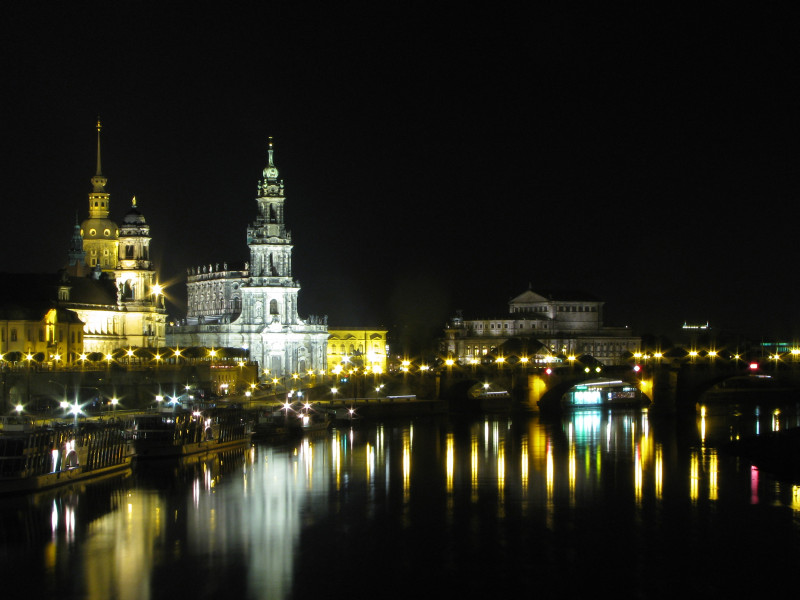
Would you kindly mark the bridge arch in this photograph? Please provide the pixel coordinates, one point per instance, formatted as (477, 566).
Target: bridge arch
(556, 387)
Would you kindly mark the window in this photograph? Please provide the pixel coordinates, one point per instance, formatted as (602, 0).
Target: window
(13, 335)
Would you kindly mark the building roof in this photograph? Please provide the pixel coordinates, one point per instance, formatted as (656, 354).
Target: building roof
(36, 293)
(529, 296)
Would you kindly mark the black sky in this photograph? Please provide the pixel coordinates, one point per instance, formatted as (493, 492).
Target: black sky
(433, 161)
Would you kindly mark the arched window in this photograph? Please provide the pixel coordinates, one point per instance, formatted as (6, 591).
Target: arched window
(273, 307)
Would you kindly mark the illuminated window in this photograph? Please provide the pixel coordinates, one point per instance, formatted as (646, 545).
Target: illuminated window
(106, 232)
(92, 232)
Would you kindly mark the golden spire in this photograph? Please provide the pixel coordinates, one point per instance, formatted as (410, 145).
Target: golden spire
(133, 201)
(99, 127)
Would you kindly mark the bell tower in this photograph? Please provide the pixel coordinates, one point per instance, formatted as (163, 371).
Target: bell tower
(100, 234)
(270, 243)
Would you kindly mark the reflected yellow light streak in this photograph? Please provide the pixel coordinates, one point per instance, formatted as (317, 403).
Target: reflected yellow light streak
(572, 471)
(370, 462)
(637, 475)
(474, 466)
(659, 471)
(694, 476)
(524, 464)
(449, 462)
(501, 467)
(501, 478)
(406, 464)
(336, 456)
(713, 469)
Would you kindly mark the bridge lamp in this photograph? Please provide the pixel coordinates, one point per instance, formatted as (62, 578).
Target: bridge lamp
(637, 368)
(19, 408)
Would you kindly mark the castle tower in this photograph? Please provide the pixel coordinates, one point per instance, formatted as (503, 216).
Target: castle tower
(76, 256)
(100, 234)
(135, 274)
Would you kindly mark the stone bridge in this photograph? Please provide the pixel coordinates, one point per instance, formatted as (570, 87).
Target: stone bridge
(671, 387)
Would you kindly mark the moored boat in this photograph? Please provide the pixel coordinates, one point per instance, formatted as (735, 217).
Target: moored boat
(184, 434)
(33, 459)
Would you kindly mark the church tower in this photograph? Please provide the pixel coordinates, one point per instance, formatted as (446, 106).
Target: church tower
(270, 244)
(100, 234)
(255, 306)
(76, 257)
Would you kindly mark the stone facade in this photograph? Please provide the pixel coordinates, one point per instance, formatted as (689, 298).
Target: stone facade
(544, 327)
(366, 347)
(253, 305)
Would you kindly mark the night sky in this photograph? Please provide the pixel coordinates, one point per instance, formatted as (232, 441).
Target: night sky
(433, 161)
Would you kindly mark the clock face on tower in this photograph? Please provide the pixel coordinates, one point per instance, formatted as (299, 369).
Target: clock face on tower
(273, 189)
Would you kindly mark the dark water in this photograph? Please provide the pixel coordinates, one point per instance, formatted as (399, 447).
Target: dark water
(595, 503)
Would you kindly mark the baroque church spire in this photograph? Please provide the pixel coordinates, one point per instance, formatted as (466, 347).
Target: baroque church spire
(100, 234)
(98, 181)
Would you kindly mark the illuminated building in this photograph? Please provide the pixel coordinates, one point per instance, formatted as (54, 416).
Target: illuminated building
(253, 305)
(543, 326)
(113, 290)
(366, 347)
(100, 234)
(36, 330)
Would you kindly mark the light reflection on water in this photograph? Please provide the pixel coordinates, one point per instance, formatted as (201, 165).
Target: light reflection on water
(595, 498)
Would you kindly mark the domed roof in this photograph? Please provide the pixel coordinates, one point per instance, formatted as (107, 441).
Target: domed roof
(98, 229)
(133, 217)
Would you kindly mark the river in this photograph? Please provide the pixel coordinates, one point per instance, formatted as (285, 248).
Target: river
(592, 503)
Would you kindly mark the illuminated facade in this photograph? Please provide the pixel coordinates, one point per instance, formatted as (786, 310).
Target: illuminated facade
(111, 283)
(544, 327)
(365, 347)
(253, 305)
(100, 234)
(40, 333)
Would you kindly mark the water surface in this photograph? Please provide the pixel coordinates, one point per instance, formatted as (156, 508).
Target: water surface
(591, 503)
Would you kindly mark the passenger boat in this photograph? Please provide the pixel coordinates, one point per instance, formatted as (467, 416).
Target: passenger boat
(33, 459)
(183, 434)
(604, 393)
